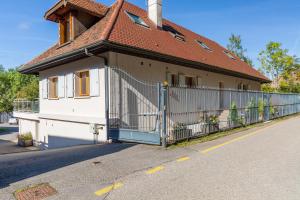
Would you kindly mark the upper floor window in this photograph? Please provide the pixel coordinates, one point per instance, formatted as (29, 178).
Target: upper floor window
(53, 88)
(136, 19)
(82, 83)
(65, 29)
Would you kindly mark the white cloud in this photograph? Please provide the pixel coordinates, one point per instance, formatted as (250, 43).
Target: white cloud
(24, 26)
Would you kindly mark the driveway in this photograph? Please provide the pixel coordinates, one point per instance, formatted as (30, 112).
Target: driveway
(261, 163)
(8, 140)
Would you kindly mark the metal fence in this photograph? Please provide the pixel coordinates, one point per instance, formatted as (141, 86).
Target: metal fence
(193, 112)
(134, 104)
(23, 105)
(4, 117)
(138, 109)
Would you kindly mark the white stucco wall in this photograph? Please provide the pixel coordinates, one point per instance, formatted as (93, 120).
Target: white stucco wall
(146, 69)
(85, 108)
(29, 126)
(57, 134)
(66, 121)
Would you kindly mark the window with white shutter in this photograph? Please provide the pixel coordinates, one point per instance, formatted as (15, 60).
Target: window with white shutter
(61, 86)
(94, 82)
(70, 85)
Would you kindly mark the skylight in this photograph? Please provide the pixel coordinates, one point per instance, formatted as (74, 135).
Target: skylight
(229, 55)
(136, 19)
(176, 34)
(203, 45)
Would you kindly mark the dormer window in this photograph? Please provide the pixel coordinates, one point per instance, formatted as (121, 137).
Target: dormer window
(75, 17)
(176, 34)
(65, 29)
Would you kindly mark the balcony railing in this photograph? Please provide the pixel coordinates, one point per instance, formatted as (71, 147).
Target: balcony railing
(22, 105)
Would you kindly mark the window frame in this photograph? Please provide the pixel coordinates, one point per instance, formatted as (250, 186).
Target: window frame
(229, 55)
(176, 34)
(204, 45)
(50, 82)
(142, 21)
(78, 88)
(66, 29)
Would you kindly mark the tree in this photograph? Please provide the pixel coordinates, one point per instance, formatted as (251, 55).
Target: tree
(275, 61)
(235, 46)
(15, 85)
(1, 68)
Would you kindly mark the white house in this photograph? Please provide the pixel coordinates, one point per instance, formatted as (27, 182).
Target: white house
(74, 75)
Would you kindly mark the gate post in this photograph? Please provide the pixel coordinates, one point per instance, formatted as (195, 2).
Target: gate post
(164, 89)
(107, 94)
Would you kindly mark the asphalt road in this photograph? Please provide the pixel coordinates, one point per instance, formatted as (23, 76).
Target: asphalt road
(258, 164)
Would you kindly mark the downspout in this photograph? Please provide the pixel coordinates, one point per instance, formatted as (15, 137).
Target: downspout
(106, 88)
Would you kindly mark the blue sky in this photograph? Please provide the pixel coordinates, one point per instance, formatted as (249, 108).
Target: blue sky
(24, 32)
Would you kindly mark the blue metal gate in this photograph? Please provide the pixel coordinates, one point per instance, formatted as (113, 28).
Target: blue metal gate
(134, 108)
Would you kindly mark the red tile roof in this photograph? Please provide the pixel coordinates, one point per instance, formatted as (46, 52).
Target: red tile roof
(89, 6)
(117, 27)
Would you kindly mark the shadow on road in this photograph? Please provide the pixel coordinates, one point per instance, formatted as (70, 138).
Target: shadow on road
(7, 129)
(16, 167)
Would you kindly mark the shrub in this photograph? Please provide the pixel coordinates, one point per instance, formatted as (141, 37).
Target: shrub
(26, 136)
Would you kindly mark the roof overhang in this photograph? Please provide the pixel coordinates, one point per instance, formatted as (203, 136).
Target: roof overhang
(104, 46)
(60, 8)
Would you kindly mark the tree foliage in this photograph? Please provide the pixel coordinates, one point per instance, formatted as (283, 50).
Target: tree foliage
(235, 46)
(281, 67)
(15, 85)
(275, 61)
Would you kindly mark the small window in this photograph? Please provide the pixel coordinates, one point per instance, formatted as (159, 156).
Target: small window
(53, 88)
(229, 55)
(82, 84)
(136, 19)
(176, 34)
(240, 86)
(65, 29)
(190, 82)
(203, 45)
(174, 80)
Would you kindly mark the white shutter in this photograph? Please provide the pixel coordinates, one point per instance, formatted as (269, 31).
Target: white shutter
(199, 82)
(45, 88)
(181, 80)
(94, 82)
(169, 78)
(61, 86)
(70, 85)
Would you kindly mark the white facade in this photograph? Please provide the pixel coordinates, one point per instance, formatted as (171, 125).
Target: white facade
(67, 120)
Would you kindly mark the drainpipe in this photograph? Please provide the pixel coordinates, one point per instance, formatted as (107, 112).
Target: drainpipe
(106, 88)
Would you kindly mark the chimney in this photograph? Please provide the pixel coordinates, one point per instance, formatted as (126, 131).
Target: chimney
(155, 12)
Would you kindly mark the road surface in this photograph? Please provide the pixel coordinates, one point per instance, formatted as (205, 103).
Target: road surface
(261, 163)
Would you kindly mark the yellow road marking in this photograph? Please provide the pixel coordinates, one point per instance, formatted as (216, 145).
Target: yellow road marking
(108, 189)
(183, 159)
(231, 141)
(154, 170)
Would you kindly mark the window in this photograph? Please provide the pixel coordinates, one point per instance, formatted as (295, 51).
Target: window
(53, 88)
(203, 45)
(82, 84)
(176, 34)
(190, 82)
(65, 29)
(136, 19)
(174, 80)
(229, 55)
